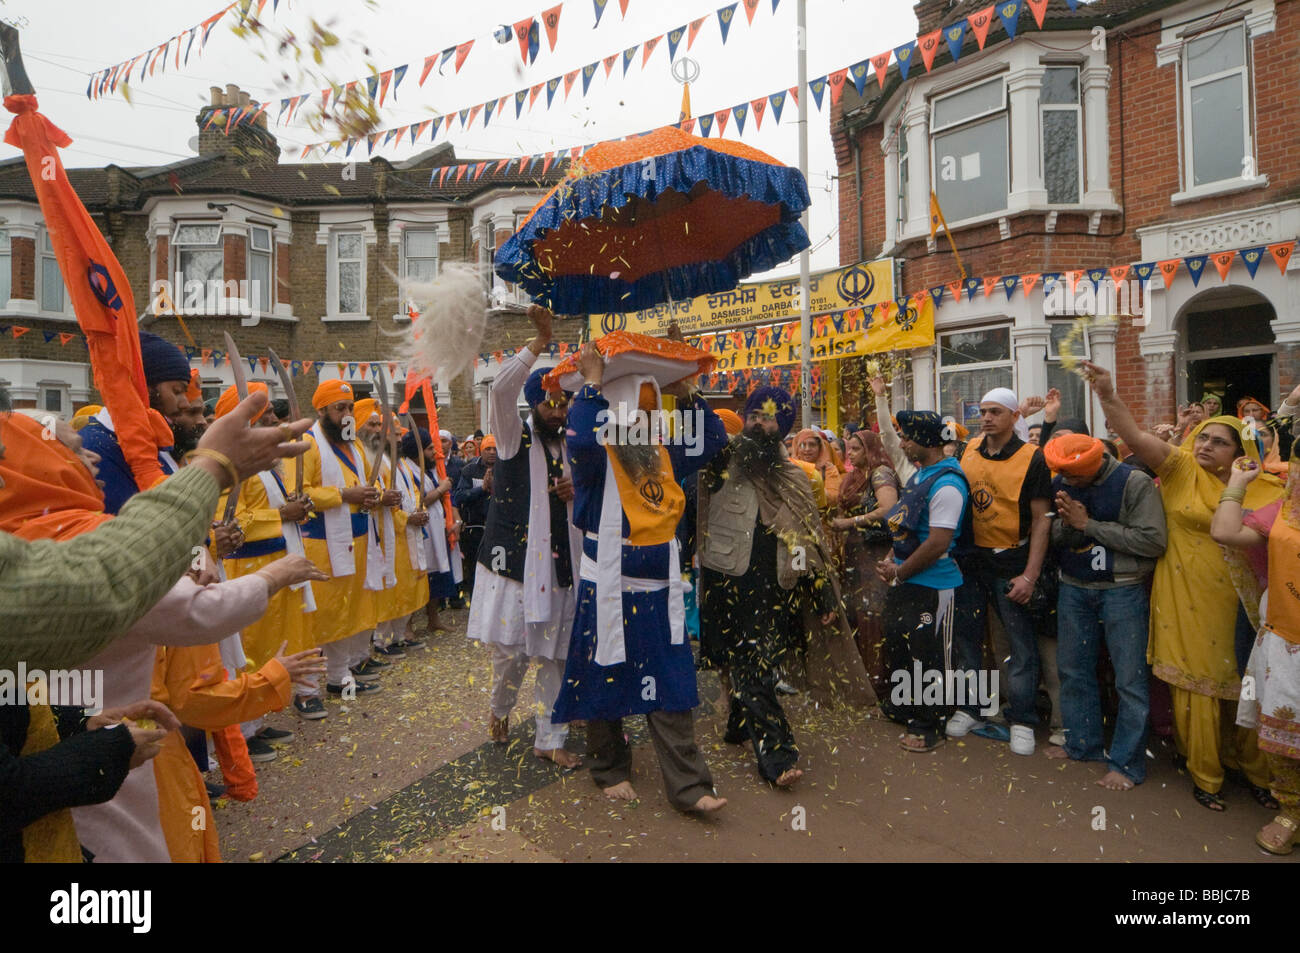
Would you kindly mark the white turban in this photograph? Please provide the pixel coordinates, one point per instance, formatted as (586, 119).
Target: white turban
(1007, 398)
(446, 434)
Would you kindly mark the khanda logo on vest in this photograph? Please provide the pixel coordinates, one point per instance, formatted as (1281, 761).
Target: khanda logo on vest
(896, 520)
(981, 497)
(652, 491)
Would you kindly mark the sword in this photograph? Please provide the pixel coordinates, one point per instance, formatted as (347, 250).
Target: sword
(419, 449)
(241, 387)
(381, 378)
(294, 411)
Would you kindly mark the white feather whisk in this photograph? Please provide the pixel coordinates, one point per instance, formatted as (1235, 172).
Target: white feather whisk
(447, 330)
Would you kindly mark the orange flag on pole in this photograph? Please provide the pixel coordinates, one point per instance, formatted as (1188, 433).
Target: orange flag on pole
(101, 296)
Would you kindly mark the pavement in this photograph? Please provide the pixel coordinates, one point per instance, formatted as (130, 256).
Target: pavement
(409, 775)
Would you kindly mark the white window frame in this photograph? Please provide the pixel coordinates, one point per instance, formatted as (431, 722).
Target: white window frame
(1082, 353)
(45, 253)
(904, 176)
(267, 254)
(54, 387)
(6, 267)
(407, 231)
(1009, 363)
(935, 131)
(1247, 111)
(334, 304)
(1077, 109)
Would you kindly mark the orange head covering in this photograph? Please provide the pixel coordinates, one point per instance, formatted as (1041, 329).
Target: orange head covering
(48, 493)
(331, 392)
(827, 455)
(230, 399)
(1075, 454)
(731, 420)
(1241, 404)
(364, 409)
(489, 443)
(193, 394)
(88, 411)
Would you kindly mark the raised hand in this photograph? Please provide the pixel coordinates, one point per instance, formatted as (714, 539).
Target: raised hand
(591, 364)
(1099, 379)
(1032, 405)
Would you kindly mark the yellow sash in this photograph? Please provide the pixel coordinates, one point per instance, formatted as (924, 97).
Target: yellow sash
(995, 494)
(1284, 578)
(654, 506)
(51, 839)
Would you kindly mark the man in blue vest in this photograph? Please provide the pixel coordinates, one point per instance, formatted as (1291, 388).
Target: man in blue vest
(1108, 532)
(923, 577)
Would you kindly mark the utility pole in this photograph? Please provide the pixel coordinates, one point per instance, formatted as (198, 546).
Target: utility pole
(805, 317)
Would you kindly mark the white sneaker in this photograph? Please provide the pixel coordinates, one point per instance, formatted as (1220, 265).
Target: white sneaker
(1058, 737)
(1022, 739)
(961, 724)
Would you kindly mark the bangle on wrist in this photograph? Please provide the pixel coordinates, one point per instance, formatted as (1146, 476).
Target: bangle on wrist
(221, 459)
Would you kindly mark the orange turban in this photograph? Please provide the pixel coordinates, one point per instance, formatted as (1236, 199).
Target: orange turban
(364, 409)
(230, 399)
(331, 392)
(489, 443)
(193, 394)
(48, 493)
(731, 420)
(1074, 454)
(88, 411)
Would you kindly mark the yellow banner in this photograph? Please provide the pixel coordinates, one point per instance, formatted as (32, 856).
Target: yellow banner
(853, 286)
(855, 332)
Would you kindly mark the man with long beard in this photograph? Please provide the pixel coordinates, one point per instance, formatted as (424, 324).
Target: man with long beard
(334, 479)
(764, 557)
(523, 601)
(384, 533)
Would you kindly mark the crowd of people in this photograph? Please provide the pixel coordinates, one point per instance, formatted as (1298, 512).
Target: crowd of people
(1010, 584)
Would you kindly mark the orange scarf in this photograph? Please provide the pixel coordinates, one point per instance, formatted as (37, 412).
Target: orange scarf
(48, 493)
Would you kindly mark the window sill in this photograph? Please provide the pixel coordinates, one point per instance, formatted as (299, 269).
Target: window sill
(1227, 187)
(992, 218)
(343, 318)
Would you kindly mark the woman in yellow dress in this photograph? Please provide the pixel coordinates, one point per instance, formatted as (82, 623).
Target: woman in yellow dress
(1194, 598)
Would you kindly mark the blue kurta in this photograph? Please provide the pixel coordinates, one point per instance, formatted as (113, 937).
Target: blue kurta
(657, 676)
(119, 482)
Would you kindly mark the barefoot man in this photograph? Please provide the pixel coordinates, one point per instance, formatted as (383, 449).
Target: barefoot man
(1108, 532)
(523, 600)
(629, 653)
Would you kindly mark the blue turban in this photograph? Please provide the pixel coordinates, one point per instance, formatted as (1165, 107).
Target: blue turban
(784, 406)
(163, 361)
(409, 448)
(534, 390)
(924, 427)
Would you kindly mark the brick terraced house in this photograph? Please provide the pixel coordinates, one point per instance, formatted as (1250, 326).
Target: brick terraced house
(311, 250)
(1124, 132)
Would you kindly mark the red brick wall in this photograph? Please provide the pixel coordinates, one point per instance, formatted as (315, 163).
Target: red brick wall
(235, 250)
(23, 268)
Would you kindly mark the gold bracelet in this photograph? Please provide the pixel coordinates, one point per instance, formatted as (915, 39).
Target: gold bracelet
(1232, 496)
(222, 459)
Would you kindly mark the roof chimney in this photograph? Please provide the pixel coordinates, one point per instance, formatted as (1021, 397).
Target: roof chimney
(249, 141)
(930, 14)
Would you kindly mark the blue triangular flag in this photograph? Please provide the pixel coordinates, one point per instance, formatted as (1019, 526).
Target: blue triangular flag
(399, 74)
(252, 365)
(534, 41)
(628, 55)
(463, 114)
(1009, 284)
(193, 33)
(818, 87)
(777, 101)
(1096, 275)
(971, 285)
(520, 96)
(487, 111)
(600, 9)
(352, 144)
(352, 368)
(372, 86)
(1050, 278)
(955, 35)
(1195, 267)
(936, 295)
(706, 124)
(725, 16)
(551, 86)
(774, 3)
(51, 335)
(1074, 5)
(588, 72)
(447, 54)
(284, 104)
(1009, 14)
(675, 37)
(388, 136)
(904, 55)
(740, 112)
(1251, 257)
(858, 73)
(1145, 270)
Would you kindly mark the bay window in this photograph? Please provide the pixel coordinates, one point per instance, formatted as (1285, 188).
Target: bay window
(1062, 125)
(1216, 107)
(970, 145)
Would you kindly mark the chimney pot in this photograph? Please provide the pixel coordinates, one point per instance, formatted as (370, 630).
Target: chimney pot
(243, 98)
(232, 95)
(214, 93)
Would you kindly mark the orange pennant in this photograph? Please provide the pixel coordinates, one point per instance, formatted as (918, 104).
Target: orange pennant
(1039, 9)
(880, 63)
(980, 23)
(1281, 253)
(989, 285)
(836, 80)
(929, 45)
(1168, 269)
(65, 337)
(19, 332)
(954, 289)
(551, 20)
(1027, 282)
(1223, 262)
(1119, 274)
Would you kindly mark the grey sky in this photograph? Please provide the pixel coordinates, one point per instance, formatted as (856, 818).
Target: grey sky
(64, 40)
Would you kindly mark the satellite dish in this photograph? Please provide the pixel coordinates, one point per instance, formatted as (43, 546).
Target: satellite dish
(193, 144)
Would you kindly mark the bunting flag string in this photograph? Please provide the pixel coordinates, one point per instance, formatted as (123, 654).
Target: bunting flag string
(106, 80)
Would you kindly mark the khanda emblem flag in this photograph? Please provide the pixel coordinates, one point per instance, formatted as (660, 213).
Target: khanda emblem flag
(907, 315)
(101, 283)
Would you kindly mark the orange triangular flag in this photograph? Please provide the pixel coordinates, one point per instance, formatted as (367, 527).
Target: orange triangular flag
(533, 94)
(750, 7)
(836, 80)
(720, 117)
(609, 62)
(551, 20)
(880, 62)
(693, 31)
(1119, 274)
(990, 284)
(1281, 253)
(648, 47)
(980, 23)
(1027, 282)
(757, 108)
(1072, 278)
(1168, 269)
(19, 332)
(929, 45)
(65, 337)
(1223, 262)
(954, 289)
(1039, 9)
(569, 80)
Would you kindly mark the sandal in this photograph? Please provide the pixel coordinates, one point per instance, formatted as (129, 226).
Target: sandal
(1287, 845)
(1207, 800)
(921, 746)
(1264, 797)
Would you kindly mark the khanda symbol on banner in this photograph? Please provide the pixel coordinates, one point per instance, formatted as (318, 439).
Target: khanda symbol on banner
(653, 491)
(101, 283)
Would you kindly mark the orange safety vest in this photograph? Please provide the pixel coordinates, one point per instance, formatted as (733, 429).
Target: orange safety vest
(995, 494)
(1284, 578)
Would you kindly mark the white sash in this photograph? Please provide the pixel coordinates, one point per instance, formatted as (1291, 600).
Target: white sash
(436, 544)
(381, 563)
(338, 519)
(292, 535)
(538, 568)
(416, 536)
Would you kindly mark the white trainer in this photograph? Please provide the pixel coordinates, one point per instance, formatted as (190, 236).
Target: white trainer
(1022, 739)
(961, 724)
